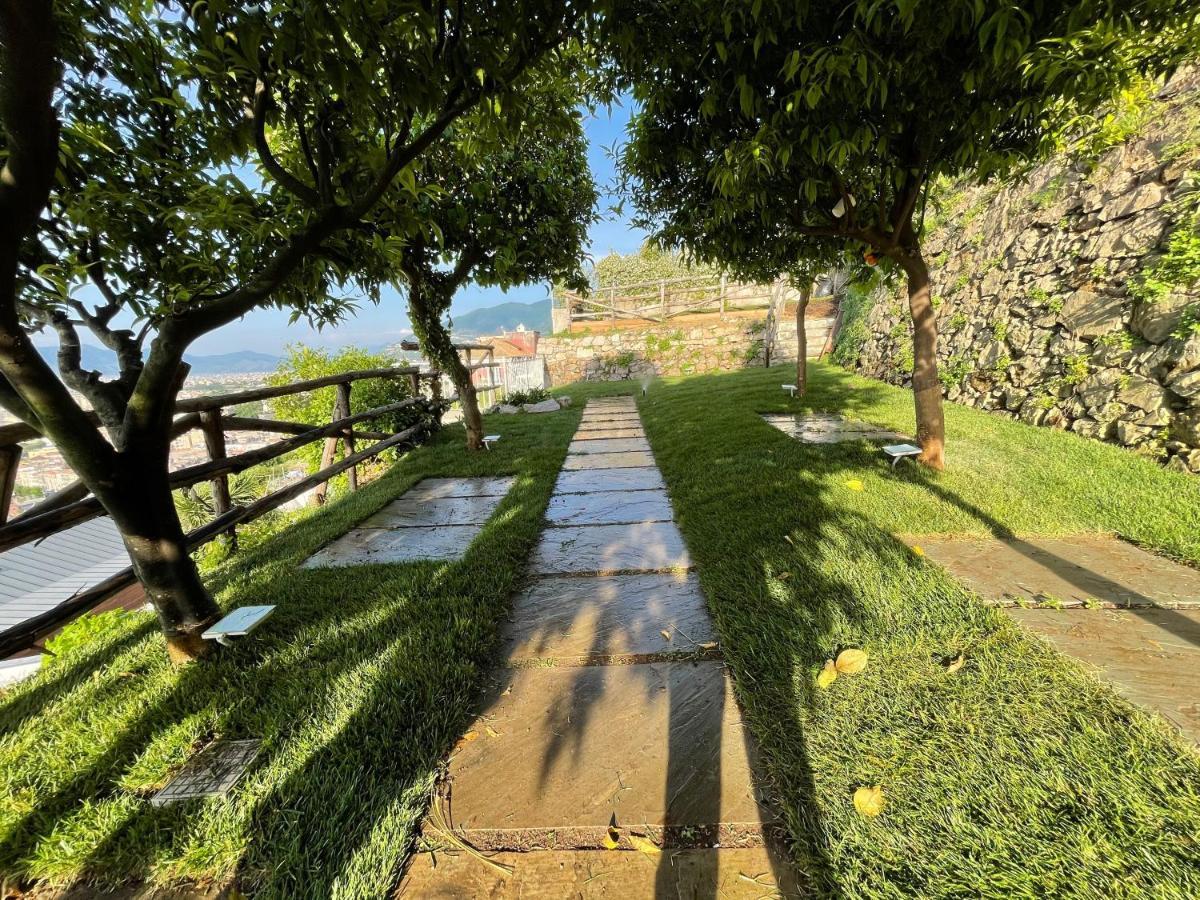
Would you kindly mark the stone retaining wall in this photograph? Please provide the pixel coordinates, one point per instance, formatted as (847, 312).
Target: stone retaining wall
(690, 348)
(1040, 308)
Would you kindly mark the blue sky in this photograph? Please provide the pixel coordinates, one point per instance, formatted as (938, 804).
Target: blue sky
(268, 331)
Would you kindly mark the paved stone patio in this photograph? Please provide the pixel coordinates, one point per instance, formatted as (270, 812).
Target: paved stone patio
(1091, 569)
(1151, 656)
(435, 519)
(1131, 616)
(613, 707)
(827, 428)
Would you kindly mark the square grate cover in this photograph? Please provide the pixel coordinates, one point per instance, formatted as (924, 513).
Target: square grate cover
(211, 772)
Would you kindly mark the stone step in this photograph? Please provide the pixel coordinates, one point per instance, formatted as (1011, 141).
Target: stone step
(610, 549)
(559, 752)
(609, 508)
(586, 481)
(588, 620)
(619, 460)
(747, 874)
(1150, 656)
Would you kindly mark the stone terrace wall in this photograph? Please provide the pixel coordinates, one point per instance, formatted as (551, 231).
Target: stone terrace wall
(684, 348)
(1032, 285)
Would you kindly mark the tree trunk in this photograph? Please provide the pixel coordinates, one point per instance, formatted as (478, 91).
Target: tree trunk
(140, 503)
(927, 389)
(424, 312)
(802, 340)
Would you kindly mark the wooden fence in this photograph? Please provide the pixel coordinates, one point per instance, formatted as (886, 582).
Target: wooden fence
(73, 504)
(658, 301)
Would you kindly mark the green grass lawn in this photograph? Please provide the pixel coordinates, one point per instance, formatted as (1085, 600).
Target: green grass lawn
(358, 685)
(1019, 776)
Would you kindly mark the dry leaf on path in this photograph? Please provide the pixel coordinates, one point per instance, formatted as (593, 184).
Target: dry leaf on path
(492, 732)
(828, 675)
(955, 664)
(645, 845)
(917, 550)
(869, 801)
(666, 634)
(612, 840)
(470, 736)
(852, 661)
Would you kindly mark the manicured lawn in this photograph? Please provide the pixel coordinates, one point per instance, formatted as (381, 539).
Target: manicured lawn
(1018, 776)
(359, 685)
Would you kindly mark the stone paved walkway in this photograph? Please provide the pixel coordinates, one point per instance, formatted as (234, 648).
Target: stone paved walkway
(613, 709)
(1130, 616)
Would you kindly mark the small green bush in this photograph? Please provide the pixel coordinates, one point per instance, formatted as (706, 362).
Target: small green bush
(533, 395)
(81, 633)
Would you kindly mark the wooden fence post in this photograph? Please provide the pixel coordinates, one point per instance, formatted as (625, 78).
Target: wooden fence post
(10, 460)
(722, 296)
(348, 439)
(662, 299)
(331, 443)
(214, 442)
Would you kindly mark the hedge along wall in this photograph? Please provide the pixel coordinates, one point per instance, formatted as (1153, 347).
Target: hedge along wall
(1070, 299)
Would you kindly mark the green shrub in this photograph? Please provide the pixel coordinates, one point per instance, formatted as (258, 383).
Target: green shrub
(1178, 267)
(81, 632)
(316, 407)
(852, 334)
(1077, 368)
(533, 395)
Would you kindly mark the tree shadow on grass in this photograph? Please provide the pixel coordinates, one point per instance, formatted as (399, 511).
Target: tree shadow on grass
(759, 521)
(1095, 584)
(357, 687)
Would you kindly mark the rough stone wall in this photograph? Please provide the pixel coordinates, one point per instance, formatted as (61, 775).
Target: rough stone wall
(685, 348)
(1032, 284)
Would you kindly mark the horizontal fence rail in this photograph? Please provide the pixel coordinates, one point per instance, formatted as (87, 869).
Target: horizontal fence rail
(667, 298)
(74, 504)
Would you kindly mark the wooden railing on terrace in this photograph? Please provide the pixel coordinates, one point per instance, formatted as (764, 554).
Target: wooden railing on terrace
(658, 301)
(73, 504)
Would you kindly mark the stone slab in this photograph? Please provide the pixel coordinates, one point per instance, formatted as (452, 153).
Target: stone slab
(610, 549)
(582, 619)
(644, 478)
(608, 460)
(436, 488)
(609, 445)
(654, 744)
(601, 434)
(1151, 656)
(1073, 570)
(609, 508)
(367, 546)
(592, 424)
(407, 513)
(610, 415)
(821, 428)
(731, 874)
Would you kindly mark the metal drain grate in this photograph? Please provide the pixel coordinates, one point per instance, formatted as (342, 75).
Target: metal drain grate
(212, 772)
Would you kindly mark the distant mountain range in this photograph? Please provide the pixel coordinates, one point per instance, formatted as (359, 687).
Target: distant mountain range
(490, 320)
(503, 317)
(105, 362)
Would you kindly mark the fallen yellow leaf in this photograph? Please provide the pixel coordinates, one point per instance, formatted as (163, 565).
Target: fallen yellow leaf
(955, 664)
(854, 484)
(666, 634)
(645, 845)
(917, 550)
(612, 840)
(869, 801)
(851, 662)
(828, 675)
(492, 732)
(470, 736)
